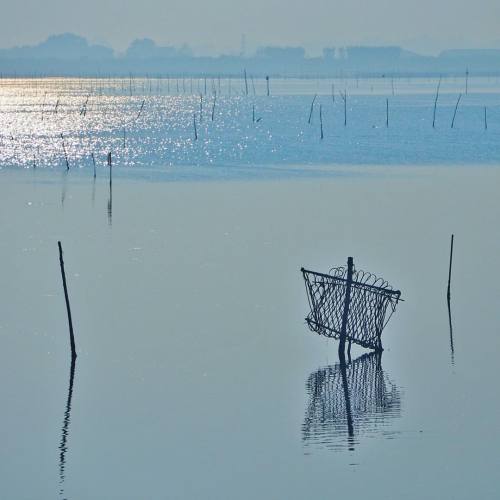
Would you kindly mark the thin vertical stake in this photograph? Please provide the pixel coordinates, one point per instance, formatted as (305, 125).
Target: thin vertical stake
(68, 308)
(347, 300)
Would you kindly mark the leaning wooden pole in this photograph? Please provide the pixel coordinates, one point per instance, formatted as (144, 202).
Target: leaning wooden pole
(246, 82)
(449, 271)
(312, 109)
(347, 301)
(455, 112)
(435, 104)
(68, 308)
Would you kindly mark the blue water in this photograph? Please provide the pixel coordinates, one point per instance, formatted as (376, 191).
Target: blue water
(249, 136)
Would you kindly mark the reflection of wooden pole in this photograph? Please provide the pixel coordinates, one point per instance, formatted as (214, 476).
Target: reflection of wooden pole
(347, 398)
(70, 322)
(449, 271)
(452, 348)
(347, 300)
(63, 446)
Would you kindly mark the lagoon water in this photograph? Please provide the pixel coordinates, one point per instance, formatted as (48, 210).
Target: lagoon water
(196, 375)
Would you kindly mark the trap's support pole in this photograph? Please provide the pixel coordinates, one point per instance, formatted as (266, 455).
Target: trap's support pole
(347, 301)
(70, 322)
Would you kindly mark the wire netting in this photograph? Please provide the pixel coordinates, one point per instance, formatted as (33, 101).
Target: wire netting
(370, 299)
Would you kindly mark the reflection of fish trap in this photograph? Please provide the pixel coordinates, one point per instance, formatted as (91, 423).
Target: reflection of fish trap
(358, 398)
(349, 305)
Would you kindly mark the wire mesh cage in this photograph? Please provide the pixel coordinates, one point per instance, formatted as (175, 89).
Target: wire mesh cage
(348, 304)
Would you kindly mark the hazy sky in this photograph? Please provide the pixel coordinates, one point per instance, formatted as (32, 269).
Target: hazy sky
(218, 25)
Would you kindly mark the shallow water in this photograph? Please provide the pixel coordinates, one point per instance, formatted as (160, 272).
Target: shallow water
(196, 374)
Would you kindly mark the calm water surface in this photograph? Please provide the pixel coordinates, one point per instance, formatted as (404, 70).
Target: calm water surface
(196, 375)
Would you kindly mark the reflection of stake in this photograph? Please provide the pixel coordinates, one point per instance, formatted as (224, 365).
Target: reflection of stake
(347, 398)
(452, 348)
(70, 322)
(63, 447)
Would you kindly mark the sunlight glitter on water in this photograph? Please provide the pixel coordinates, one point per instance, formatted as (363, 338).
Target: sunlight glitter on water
(43, 121)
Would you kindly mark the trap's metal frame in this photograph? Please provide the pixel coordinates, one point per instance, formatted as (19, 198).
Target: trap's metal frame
(350, 305)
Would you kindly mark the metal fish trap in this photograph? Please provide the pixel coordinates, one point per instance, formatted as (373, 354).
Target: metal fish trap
(350, 305)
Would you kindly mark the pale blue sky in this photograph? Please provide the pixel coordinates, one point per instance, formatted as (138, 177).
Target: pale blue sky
(425, 25)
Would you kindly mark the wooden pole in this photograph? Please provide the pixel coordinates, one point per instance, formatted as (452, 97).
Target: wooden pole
(93, 161)
(68, 308)
(435, 104)
(65, 154)
(267, 83)
(449, 271)
(485, 120)
(194, 125)
(213, 105)
(321, 121)
(110, 200)
(347, 300)
(344, 97)
(246, 82)
(312, 108)
(455, 112)
(387, 113)
(110, 165)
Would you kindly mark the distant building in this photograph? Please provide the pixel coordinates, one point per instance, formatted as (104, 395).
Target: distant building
(281, 53)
